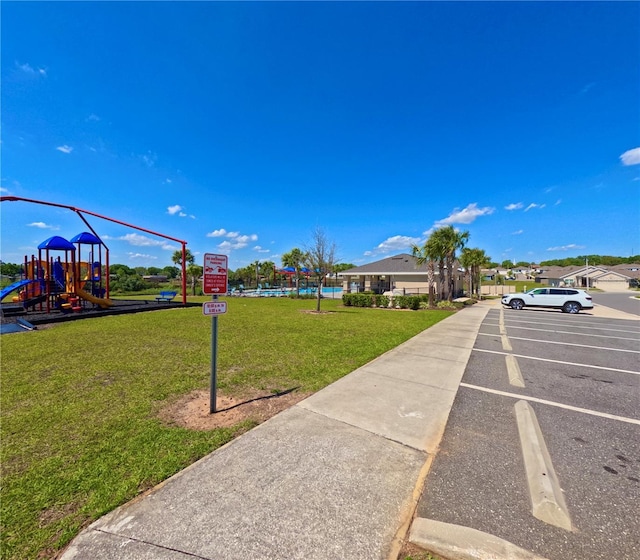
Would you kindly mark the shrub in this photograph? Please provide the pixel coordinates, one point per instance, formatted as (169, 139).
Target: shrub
(407, 302)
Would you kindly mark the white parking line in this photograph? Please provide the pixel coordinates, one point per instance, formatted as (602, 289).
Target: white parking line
(573, 344)
(552, 403)
(560, 343)
(558, 361)
(563, 332)
(575, 325)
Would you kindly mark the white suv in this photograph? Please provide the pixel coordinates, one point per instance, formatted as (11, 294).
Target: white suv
(567, 299)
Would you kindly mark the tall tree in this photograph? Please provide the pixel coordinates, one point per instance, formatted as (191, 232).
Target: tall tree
(473, 260)
(267, 269)
(449, 240)
(294, 259)
(320, 259)
(428, 254)
(194, 272)
(176, 258)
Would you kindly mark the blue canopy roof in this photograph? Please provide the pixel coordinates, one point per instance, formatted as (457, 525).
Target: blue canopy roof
(87, 238)
(57, 243)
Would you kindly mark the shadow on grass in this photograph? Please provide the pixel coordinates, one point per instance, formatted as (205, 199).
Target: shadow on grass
(273, 396)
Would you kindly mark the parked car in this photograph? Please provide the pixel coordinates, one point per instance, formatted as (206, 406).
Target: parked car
(567, 299)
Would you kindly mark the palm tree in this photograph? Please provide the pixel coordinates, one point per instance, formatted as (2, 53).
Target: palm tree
(194, 272)
(294, 259)
(176, 258)
(427, 254)
(267, 269)
(448, 241)
(473, 260)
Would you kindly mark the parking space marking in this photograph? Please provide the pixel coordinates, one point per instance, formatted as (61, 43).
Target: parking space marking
(559, 361)
(547, 500)
(574, 333)
(513, 369)
(573, 344)
(590, 326)
(552, 403)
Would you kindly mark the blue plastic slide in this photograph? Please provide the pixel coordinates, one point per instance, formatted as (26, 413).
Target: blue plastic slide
(12, 287)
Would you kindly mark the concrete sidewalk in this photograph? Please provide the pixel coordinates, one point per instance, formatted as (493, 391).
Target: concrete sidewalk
(335, 477)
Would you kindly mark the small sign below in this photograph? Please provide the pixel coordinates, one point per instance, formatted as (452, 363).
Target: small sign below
(214, 307)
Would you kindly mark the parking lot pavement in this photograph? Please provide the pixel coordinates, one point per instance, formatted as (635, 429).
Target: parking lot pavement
(542, 446)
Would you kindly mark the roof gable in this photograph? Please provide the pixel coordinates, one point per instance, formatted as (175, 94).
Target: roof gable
(398, 264)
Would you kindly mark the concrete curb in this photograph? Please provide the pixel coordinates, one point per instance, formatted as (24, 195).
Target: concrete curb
(455, 542)
(547, 499)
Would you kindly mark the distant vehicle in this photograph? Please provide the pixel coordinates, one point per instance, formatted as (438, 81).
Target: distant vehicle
(567, 299)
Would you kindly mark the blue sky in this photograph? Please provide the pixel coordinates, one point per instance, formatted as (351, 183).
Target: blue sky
(243, 127)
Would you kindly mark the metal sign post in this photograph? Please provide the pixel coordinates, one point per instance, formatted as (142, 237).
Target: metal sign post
(214, 282)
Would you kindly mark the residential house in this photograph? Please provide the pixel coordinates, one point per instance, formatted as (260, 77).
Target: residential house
(399, 273)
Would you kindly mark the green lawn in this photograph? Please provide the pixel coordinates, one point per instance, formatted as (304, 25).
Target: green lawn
(79, 401)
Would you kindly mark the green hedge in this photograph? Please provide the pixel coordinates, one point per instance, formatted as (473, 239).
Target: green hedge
(365, 300)
(376, 300)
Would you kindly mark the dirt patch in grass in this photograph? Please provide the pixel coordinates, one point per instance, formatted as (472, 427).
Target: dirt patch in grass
(192, 410)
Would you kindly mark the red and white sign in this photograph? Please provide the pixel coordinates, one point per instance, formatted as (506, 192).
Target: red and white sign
(215, 274)
(214, 307)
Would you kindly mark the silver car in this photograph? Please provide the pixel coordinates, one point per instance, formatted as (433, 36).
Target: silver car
(569, 300)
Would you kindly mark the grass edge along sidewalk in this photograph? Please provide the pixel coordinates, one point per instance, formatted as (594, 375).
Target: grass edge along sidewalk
(80, 401)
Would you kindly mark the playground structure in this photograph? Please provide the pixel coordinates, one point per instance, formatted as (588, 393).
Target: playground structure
(53, 283)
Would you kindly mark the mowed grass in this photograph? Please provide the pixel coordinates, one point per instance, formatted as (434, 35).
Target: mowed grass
(80, 401)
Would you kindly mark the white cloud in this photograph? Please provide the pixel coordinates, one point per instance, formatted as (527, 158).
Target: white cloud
(93, 117)
(631, 157)
(27, 69)
(65, 149)
(260, 249)
(395, 243)
(42, 225)
(514, 206)
(237, 241)
(519, 232)
(136, 256)
(149, 159)
(178, 210)
(566, 247)
(143, 241)
(534, 205)
(586, 88)
(559, 201)
(2, 189)
(464, 216)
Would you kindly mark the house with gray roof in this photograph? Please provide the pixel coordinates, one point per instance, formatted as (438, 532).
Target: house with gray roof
(609, 280)
(400, 273)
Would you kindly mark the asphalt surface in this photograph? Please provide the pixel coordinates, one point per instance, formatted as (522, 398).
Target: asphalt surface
(580, 375)
(622, 301)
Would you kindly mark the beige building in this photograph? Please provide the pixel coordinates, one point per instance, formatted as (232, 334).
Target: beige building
(587, 277)
(400, 273)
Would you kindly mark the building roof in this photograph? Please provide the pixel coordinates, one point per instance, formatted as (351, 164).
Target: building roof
(402, 264)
